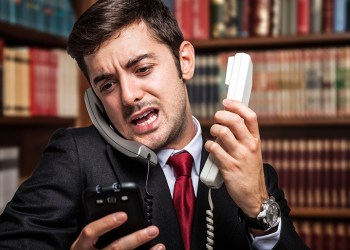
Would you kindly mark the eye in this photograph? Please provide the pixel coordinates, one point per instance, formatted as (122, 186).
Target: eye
(108, 86)
(143, 70)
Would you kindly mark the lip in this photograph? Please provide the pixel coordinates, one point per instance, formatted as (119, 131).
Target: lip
(144, 128)
(141, 113)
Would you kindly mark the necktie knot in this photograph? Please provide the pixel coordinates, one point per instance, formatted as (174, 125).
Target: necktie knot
(181, 163)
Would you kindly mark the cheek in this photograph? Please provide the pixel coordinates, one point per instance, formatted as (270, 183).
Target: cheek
(113, 111)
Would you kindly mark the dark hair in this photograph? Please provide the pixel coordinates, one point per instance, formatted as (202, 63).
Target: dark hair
(106, 17)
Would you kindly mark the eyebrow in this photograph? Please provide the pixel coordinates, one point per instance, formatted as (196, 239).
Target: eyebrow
(139, 58)
(101, 77)
(128, 65)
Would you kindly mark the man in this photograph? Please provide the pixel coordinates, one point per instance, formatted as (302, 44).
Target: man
(137, 62)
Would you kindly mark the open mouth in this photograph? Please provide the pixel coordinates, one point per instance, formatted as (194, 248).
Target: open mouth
(146, 118)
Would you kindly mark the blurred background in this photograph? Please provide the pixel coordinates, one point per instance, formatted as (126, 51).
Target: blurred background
(301, 92)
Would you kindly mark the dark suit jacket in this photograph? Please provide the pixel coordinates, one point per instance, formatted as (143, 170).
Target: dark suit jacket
(47, 210)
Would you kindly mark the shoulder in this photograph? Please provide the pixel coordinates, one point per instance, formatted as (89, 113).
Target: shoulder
(82, 136)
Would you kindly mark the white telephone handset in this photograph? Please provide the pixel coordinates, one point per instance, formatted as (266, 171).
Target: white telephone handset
(239, 80)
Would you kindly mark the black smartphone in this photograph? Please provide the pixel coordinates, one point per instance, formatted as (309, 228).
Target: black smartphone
(100, 201)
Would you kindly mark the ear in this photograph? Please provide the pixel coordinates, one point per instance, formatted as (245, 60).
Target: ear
(187, 60)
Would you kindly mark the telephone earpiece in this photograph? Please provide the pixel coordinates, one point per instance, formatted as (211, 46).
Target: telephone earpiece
(100, 120)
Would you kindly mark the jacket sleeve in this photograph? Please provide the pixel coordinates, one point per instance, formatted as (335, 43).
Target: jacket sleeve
(289, 239)
(45, 211)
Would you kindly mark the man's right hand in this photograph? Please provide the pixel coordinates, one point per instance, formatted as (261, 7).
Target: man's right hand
(91, 232)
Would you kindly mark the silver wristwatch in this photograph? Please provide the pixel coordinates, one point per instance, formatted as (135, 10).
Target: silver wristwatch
(268, 218)
(270, 214)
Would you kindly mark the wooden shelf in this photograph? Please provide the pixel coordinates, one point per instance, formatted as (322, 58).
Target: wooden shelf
(31, 135)
(36, 121)
(16, 35)
(294, 122)
(256, 43)
(321, 213)
(278, 127)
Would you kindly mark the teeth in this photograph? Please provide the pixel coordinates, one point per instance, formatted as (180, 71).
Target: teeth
(143, 115)
(148, 121)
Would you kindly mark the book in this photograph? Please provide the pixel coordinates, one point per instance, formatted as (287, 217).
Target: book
(201, 19)
(316, 16)
(183, 14)
(67, 86)
(2, 45)
(39, 78)
(244, 7)
(275, 18)
(341, 78)
(9, 173)
(9, 82)
(327, 14)
(231, 15)
(303, 19)
(169, 4)
(52, 84)
(339, 15)
(260, 18)
(22, 87)
(217, 24)
(213, 85)
(4, 10)
(288, 17)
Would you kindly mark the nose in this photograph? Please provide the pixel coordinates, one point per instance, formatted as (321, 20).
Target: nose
(131, 91)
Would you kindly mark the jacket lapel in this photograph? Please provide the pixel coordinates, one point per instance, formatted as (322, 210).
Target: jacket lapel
(163, 211)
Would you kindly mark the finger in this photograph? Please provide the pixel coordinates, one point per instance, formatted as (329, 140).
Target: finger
(223, 159)
(158, 247)
(135, 239)
(90, 233)
(249, 116)
(225, 138)
(233, 122)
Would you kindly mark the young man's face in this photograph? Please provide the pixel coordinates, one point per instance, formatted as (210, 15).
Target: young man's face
(137, 81)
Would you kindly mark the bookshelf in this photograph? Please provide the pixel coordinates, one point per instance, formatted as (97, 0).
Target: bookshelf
(261, 43)
(309, 220)
(31, 134)
(312, 221)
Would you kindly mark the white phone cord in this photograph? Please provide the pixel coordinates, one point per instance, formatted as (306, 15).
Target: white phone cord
(210, 223)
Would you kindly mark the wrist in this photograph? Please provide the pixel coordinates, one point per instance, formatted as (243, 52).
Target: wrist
(267, 219)
(257, 232)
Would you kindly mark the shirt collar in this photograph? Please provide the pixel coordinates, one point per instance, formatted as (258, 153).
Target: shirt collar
(194, 147)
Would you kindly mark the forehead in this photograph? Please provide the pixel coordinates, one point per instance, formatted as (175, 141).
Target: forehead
(131, 41)
(130, 38)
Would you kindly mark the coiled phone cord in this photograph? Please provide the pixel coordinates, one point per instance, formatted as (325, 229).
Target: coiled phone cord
(148, 197)
(210, 223)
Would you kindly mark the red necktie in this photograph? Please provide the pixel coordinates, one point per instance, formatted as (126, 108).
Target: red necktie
(184, 199)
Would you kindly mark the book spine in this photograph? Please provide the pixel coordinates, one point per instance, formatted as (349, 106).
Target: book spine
(9, 173)
(260, 18)
(217, 24)
(316, 16)
(183, 14)
(339, 16)
(231, 18)
(276, 9)
(2, 45)
(201, 19)
(327, 13)
(303, 20)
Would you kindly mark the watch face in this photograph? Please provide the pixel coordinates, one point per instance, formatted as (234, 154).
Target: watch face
(272, 214)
